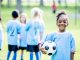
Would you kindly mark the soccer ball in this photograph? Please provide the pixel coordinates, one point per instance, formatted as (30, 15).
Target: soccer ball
(50, 47)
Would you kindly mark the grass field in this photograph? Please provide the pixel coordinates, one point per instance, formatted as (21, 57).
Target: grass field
(50, 26)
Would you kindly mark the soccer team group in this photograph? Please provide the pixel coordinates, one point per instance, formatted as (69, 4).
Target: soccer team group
(24, 34)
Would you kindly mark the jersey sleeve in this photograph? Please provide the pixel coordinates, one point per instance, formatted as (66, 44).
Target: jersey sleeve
(49, 37)
(41, 31)
(7, 28)
(28, 26)
(18, 28)
(72, 44)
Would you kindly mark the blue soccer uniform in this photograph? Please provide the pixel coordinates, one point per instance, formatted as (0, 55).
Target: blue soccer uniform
(23, 37)
(65, 45)
(34, 28)
(13, 29)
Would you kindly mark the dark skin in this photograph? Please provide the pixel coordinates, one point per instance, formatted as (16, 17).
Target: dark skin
(72, 55)
(43, 50)
(62, 23)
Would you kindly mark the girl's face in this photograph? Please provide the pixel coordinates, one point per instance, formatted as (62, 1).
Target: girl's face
(62, 23)
(23, 19)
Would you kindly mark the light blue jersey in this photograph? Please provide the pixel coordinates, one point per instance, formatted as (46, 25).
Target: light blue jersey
(23, 36)
(33, 29)
(65, 45)
(1, 36)
(13, 29)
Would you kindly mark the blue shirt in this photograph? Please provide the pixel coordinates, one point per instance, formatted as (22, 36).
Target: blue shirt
(13, 29)
(65, 45)
(23, 36)
(33, 29)
(1, 36)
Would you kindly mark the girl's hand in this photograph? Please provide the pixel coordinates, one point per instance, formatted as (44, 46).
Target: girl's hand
(43, 50)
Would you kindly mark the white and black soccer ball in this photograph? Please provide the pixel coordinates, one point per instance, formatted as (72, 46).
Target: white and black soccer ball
(50, 47)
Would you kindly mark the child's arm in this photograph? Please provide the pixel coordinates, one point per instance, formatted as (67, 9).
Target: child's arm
(41, 36)
(72, 56)
(72, 43)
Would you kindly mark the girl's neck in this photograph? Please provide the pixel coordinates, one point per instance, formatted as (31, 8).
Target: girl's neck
(61, 31)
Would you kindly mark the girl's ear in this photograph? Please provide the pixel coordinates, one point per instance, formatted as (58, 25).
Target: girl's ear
(67, 24)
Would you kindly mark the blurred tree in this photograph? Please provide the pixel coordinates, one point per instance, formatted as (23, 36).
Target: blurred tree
(0, 6)
(59, 2)
(1, 2)
(19, 5)
(28, 3)
(41, 3)
(66, 6)
(9, 3)
(76, 12)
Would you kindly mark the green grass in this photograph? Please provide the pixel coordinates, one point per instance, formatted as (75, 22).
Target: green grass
(50, 26)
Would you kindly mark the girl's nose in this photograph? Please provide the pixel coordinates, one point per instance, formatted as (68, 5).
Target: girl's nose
(62, 23)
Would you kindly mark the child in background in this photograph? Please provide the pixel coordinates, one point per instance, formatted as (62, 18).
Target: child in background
(1, 35)
(23, 34)
(35, 31)
(54, 7)
(13, 30)
(64, 40)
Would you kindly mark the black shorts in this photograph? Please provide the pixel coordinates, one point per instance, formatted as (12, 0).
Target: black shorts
(33, 48)
(12, 47)
(22, 48)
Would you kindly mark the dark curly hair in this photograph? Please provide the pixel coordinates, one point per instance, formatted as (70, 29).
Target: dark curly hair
(60, 13)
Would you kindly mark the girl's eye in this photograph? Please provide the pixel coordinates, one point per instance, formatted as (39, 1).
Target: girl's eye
(64, 21)
(59, 21)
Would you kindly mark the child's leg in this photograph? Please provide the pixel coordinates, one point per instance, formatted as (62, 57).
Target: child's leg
(31, 55)
(37, 55)
(15, 54)
(40, 54)
(8, 55)
(0, 52)
(21, 55)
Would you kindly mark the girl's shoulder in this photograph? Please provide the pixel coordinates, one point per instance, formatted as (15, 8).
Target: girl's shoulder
(9, 22)
(68, 33)
(51, 34)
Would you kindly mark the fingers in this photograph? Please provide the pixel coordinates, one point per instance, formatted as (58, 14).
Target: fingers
(43, 50)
